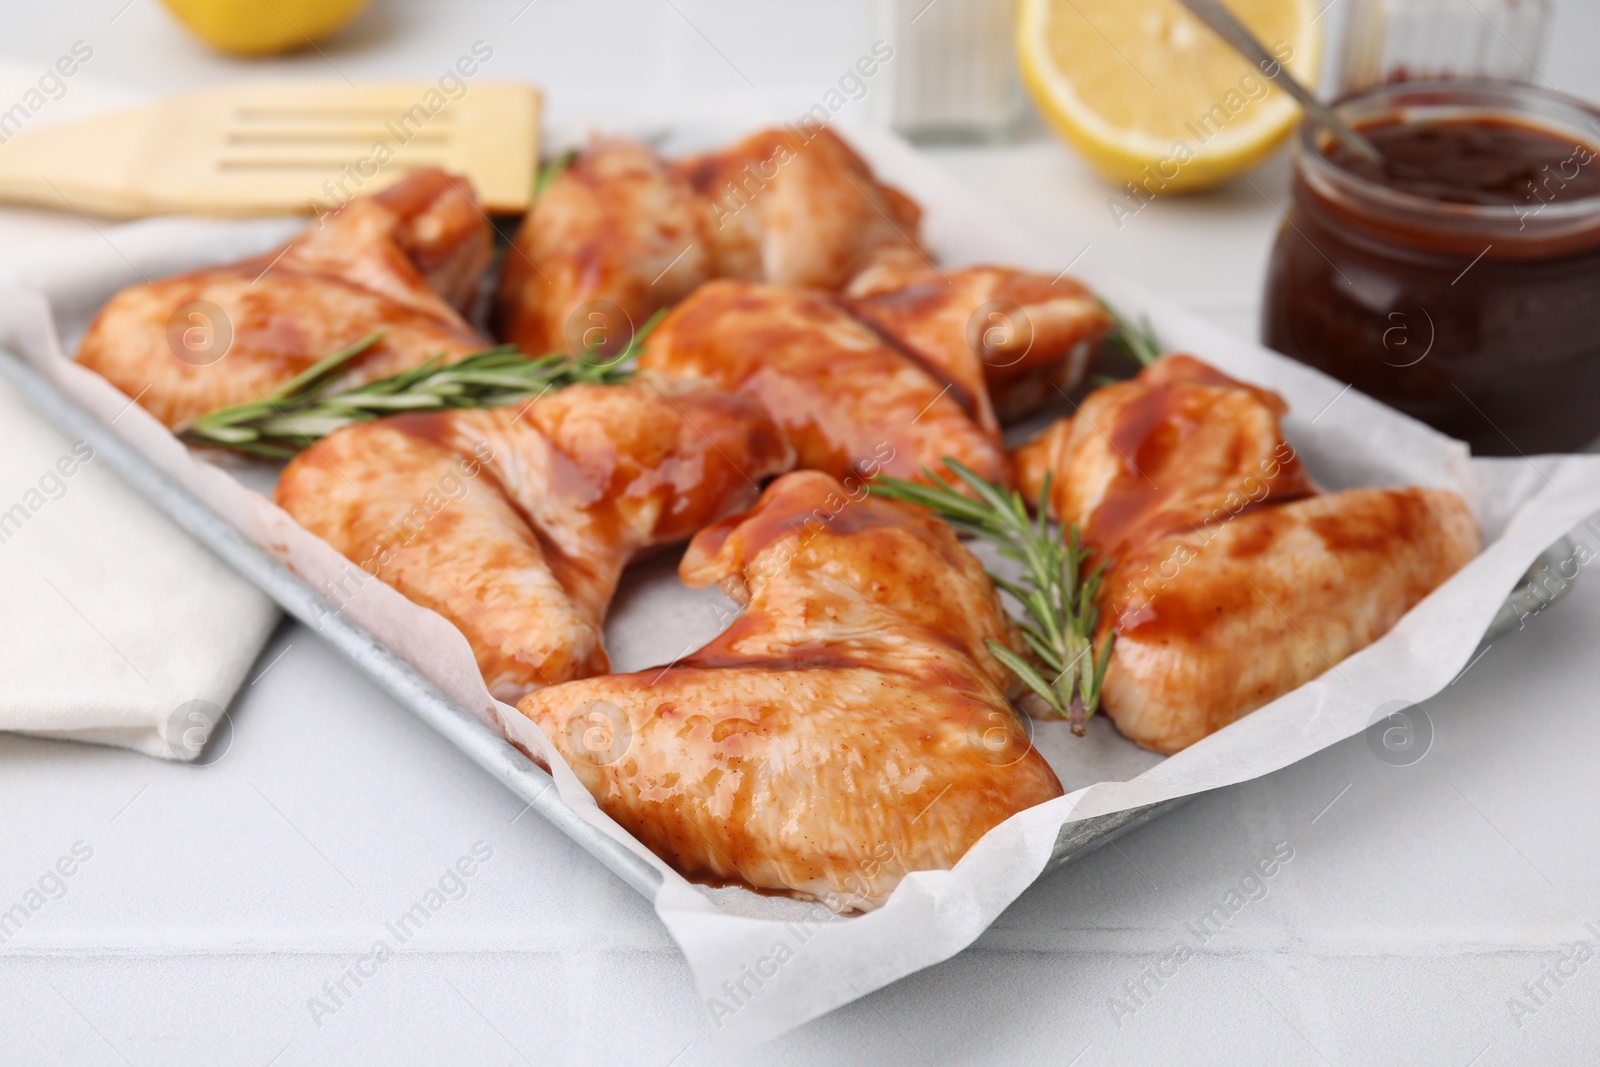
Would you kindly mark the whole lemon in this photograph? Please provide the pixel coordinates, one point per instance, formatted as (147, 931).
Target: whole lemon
(263, 27)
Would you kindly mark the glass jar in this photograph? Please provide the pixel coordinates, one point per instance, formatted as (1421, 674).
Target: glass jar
(1482, 319)
(1432, 40)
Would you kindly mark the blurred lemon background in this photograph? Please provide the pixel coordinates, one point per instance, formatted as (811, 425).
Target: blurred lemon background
(263, 27)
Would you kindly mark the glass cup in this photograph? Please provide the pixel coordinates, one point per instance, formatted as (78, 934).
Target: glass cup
(954, 75)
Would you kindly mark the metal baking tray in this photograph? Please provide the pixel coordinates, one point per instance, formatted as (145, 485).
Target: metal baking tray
(460, 727)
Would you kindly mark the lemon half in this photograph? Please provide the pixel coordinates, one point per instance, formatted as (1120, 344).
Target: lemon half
(1150, 95)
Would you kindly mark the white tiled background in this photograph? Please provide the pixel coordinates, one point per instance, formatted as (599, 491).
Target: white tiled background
(218, 900)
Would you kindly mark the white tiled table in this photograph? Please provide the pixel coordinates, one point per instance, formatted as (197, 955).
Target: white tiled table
(219, 900)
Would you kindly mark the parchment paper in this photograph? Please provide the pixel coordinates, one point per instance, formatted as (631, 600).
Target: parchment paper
(765, 965)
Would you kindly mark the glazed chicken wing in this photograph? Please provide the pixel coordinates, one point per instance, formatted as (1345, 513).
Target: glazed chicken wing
(1215, 623)
(406, 262)
(621, 232)
(850, 727)
(515, 526)
(1232, 580)
(619, 229)
(850, 402)
(1181, 445)
(798, 207)
(1008, 336)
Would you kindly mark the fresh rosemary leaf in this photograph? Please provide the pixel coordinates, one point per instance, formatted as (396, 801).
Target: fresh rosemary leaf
(324, 369)
(552, 170)
(1136, 341)
(1056, 590)
(308, 408)
(1025, 671)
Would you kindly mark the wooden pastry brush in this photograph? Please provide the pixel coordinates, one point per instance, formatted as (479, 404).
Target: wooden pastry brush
(273, 149)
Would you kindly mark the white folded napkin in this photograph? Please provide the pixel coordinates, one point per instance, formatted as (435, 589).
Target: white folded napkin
(116, 627)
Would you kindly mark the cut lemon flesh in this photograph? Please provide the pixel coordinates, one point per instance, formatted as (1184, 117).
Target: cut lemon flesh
(1150, 95)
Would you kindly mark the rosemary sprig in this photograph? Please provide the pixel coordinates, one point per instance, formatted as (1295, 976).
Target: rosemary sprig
(304, 410)
(1055, 592)
(1137, 341)
(552, 170)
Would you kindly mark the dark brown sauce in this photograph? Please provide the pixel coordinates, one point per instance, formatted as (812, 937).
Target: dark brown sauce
(1487, 328)
(1152, 434)
(800, 504)
(1482, 160)
(927, 297)
(1144, 435)
(1183, 613)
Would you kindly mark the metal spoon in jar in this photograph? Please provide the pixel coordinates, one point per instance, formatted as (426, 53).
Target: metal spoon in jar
(1225, 25)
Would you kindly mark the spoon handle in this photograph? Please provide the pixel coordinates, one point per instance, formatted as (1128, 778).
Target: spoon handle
(1225, 25)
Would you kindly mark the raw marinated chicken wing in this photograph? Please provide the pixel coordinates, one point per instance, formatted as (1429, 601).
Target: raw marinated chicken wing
(850, 727)
(852, 403)
(515, 525)
(406, 262)
(1232, 579)
(615, 236)
(1180, 445)
(798, 207)
(621, 232)
(1267, 601)
(1008, 336)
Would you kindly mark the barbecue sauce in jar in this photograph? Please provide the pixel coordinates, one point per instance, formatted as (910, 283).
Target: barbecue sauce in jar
(1459, 280)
